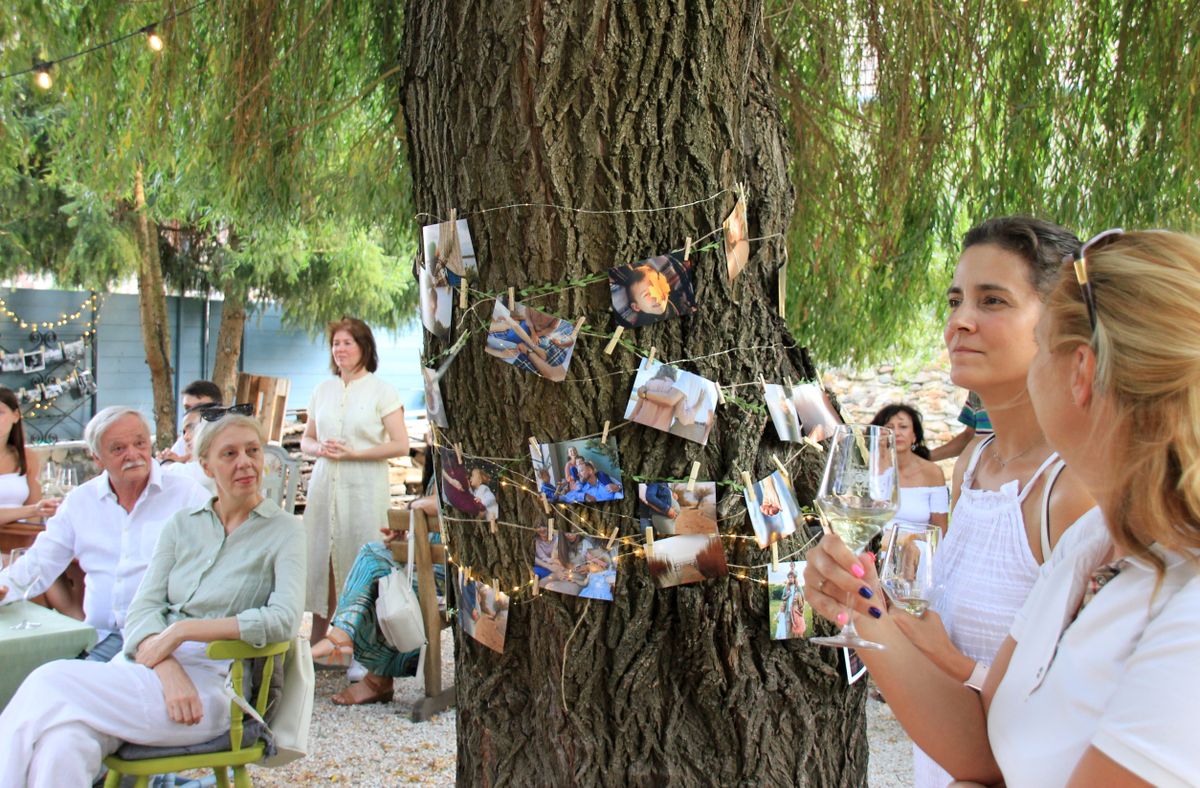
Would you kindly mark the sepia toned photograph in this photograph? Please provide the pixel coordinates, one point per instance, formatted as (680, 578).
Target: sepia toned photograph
(687, 546)
(669, 399)
(482, 612)
(737, 244)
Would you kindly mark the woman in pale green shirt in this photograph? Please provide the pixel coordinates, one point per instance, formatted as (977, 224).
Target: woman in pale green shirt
(233, 569)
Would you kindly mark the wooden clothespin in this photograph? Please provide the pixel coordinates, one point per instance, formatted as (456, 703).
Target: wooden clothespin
(687, 249)
(458, 452)
(578, 327)
(495, 584)
(762, 382)
(749, 486)
(537, 585)
(691, 485)
(612, 538)
(720, 394)
(512, 297)
(782, 470)
(649, 540)
(545, 504)
(612, 343)
(462, 293)
(604, 434)
(790, 383)
(774, 556)
(810, 442)
(550, 529)
(650, 358)
(535, 447)
(492, 525)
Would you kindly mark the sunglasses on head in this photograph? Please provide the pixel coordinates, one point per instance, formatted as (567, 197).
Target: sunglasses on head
(212, 414)
(1098, 241)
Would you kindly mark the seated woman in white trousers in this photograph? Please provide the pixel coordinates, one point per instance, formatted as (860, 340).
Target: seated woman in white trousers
(232, 569)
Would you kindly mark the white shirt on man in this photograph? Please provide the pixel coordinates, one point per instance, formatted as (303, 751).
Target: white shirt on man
(113, 546)
(1119, 677)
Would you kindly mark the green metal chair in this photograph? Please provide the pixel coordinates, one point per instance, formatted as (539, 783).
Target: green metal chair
(237, 756)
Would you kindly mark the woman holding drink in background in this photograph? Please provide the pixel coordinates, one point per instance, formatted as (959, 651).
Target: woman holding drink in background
(355, 424)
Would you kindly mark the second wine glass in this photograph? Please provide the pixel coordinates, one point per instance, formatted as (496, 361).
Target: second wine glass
(859, 494)
(25, 574)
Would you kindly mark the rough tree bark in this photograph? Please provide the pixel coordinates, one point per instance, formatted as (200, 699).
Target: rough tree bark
(229, 341)
(613, 105)
(152, 306)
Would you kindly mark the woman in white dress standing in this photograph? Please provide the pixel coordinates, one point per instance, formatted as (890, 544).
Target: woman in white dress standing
(924, 498)
(355, 424)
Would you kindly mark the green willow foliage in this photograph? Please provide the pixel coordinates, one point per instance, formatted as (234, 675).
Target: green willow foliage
(913, 119)
(271, 124)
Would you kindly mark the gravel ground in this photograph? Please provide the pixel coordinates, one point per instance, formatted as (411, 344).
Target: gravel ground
(891, 749)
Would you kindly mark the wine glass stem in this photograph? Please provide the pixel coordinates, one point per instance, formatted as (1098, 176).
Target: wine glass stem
(848, 629)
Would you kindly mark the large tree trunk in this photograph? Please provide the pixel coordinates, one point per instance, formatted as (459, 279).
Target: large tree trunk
(611, 106)
(229, 341)
(152, 305)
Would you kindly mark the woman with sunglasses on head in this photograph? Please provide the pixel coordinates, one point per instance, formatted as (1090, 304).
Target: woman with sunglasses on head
(230, 569)
(1093, 684)
(1012, 498)
(355, 424)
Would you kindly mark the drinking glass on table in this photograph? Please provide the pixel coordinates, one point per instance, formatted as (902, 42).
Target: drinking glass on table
(68, 479)
(859, 493)
(907, 571)
(24, 574)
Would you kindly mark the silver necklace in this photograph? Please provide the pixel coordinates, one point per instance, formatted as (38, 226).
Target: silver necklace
(1017, 456)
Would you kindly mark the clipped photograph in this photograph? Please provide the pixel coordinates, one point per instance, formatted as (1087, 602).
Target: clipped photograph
(482, 612)
(651, 290)
(449, 253)
(815, 411)
(789, 615)
(573, 564)
(783, 412)
(773, 509)
(531, 340)
(435, 409)
(853, 665)
(687, 546)
(737, 243)
(578, 471)
(470, 486)
(672, 400)
(436, 305)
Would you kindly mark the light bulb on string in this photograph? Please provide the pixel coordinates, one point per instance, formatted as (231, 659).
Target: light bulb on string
(41, 75)
(153, 39)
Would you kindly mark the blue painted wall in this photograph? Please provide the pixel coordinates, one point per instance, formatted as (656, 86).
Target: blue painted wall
(122, 377)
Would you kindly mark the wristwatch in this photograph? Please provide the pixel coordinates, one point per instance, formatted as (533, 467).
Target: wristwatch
(978, 674)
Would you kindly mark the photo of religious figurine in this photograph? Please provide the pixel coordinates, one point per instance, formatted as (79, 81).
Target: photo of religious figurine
(531, 340)
(672, 400)
(470, 486)
(687, 545)
(436, 305)
(435, 409)
(449, 253)
(482, 612)
(789, 615)
(651, 290)
(737, 244)
(570, 563)
(773, 509)
(579, 471)
(801, 412)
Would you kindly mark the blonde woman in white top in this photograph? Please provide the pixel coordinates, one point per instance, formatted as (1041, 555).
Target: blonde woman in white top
(1094, 684)
(355, 424)
(1011, 501)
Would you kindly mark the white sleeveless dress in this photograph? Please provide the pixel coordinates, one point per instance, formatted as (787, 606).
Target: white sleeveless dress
(14, 489)
(986, 570)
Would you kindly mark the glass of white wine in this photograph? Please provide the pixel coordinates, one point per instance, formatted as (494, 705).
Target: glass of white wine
(859, 494)
(907, 571)
(24, 574)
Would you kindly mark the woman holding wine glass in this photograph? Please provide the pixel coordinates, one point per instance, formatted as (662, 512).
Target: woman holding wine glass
(1012, 497)
(20, 490)
(1090, 686)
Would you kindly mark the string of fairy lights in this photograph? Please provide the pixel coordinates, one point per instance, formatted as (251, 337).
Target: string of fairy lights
(42, 68)
(90, 304)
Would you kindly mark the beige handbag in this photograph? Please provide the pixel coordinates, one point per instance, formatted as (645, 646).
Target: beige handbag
(398, 609)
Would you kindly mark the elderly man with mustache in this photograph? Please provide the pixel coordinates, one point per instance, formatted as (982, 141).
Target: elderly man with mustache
(110, 524)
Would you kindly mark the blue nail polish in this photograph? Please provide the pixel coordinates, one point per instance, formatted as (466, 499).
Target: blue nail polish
(865, 593)
(875, 612)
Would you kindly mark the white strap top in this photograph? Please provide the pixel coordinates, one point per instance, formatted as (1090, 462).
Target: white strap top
(14, 489)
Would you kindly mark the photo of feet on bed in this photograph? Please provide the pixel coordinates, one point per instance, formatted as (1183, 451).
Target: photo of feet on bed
(578, 471)
(669, 399)
(803, 411)
(531, 340)
(773, 509)
(651, 290)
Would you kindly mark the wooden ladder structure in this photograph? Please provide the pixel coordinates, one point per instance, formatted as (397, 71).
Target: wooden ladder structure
(269, 397)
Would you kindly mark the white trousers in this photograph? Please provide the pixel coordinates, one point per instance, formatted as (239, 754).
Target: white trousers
(69, 714)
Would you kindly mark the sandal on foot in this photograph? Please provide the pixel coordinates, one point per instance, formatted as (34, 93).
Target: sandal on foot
(374, 693)
(332, 652)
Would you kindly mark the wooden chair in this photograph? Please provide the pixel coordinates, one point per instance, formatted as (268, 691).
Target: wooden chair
(236, 757)
(281, 477)
(269, 397)
(425, 556)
